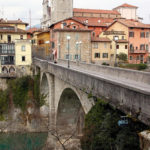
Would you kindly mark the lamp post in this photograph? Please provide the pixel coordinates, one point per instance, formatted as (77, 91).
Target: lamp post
(116, 39)
(80, 49)
(68, 40)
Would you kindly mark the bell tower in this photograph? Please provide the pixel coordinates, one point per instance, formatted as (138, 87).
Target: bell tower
(45, 22)
(61, 9)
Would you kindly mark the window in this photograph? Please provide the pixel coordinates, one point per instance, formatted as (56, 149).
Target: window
(115, 37)
(147, 34)
(105, 55)
(74, 27)
(136, 48)
(117, 46)
(126, 46)
(122, 37)
(21, 37)
(147, 47)
(9, 38)
(142, 34)
(76, 56)
(110, 46)
(142, 47)
(93, 34)
(95, 45)
(1, 37)
(131, 58)
(105, 45)
(137, 57)
(23, 58)
(97, 55)
(23, 48)
(53, 45)
(131, 34)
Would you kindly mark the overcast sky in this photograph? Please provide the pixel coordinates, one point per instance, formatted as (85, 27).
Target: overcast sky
(14, 9)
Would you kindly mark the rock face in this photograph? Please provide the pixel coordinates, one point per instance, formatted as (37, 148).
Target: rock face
(3, 84)
(29, 121)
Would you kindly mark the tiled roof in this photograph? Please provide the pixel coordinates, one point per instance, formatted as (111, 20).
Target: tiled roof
(122, 41)
(10, 29)
(72, 30)
(102, 22)
(126, 5)
(133, 23)
(2, 21)
(99, 11)
(97, 39)
(31, 30)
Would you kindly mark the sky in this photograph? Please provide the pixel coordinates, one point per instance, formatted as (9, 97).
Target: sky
(14, 9)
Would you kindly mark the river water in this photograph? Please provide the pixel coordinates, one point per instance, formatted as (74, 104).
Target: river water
(19, 141)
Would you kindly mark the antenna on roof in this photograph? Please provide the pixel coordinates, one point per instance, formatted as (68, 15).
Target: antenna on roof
(2, 12)
(30, 17)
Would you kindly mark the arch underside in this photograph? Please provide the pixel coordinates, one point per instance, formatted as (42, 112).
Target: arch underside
(70, 114)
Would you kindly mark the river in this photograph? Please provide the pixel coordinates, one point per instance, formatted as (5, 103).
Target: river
(19, 141)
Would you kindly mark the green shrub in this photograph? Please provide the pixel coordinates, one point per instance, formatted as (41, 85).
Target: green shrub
(142, 66)
(134, 66)
(105, 64)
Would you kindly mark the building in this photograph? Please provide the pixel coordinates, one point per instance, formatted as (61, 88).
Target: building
(15, 49)
(79, 43)
(43, 41)
(127, 11)
(118, 34)
(101, 50)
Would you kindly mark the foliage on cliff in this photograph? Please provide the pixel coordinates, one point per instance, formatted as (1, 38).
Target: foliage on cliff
(3, 103)
(19, 92)
(103, 133)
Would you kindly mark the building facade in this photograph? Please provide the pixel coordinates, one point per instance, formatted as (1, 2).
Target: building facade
(15, 49)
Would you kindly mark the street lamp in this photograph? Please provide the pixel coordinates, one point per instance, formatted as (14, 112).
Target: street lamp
(80, 49)
(68, 40)
(116, 38)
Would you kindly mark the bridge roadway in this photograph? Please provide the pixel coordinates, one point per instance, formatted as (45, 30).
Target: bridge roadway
(128, 90)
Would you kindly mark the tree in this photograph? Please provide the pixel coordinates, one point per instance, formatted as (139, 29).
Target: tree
(122, 57)
(103, 133)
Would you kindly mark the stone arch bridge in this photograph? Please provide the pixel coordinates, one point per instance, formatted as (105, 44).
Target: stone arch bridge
(68, 90)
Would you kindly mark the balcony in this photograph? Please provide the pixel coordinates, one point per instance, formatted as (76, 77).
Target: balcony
(7, 49)
(22, 41)
(132, 51)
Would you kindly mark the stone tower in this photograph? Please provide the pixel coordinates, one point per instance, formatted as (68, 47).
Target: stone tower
(61, 9)
(46, 19)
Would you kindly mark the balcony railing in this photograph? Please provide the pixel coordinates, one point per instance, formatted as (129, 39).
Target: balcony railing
(138, 51)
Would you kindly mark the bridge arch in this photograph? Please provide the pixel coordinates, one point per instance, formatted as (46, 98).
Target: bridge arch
(45, 90)
(70, 113)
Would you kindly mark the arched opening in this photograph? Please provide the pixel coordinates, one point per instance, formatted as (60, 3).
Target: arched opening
(4, 70)
(70, 114)
(11, 69)
(44, 89)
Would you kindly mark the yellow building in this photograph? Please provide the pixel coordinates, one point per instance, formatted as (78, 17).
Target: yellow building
(118, 34)
(43, 39)
(101, 52)
(19, 24)
(15, 49)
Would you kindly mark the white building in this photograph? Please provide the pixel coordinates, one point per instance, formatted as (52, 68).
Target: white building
(127, 11)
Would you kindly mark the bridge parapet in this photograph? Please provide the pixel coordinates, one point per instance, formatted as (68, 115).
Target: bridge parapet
(133, 75)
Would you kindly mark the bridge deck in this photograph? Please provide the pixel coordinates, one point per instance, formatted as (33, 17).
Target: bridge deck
(130, 84)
